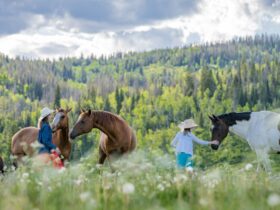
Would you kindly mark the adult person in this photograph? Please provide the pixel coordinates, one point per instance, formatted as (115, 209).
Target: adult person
(47, 150)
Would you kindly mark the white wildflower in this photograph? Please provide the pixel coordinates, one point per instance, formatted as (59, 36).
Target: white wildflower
(203, 202)
(128, 188)
(160, 187)
(248, 166)
(189, 169)
(180, 178)
(84, 196)
(273, 200)
(13, 168)
(98, 166)
(107, 186)
(91, 170)
(40, 183)
(78, 182)
(25, 175)
(81, 179)
(168, 184)
(212, 179)
(62, 170)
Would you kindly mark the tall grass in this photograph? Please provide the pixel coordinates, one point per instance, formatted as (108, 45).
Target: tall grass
(140, 181)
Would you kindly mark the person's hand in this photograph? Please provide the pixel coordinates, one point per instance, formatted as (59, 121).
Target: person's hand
(58, 151)
(215, 142)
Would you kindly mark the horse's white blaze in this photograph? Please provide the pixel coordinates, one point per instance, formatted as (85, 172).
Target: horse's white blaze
(261, 132)
(56, 119)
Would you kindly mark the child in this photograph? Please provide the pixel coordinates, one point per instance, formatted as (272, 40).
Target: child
(183, 142)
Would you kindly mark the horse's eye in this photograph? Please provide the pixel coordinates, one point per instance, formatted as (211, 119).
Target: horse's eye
(62, 117)
(82, 122)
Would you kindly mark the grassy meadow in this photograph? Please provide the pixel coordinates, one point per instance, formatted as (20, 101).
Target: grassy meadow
(142, 180)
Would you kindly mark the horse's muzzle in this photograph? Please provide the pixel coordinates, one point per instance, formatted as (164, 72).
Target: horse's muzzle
(72, 135)
(214, 146)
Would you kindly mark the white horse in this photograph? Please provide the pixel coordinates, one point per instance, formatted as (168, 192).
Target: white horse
(260, 129)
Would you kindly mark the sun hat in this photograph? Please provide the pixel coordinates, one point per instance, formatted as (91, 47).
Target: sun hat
(188, 123)
(45, 112)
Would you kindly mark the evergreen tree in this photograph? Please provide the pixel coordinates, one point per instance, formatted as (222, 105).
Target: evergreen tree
(119, 96)
(84, 76)
(207, 81)
(107, 105)
(57, 97)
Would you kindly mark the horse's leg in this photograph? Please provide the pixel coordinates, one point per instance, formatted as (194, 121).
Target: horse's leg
(258, 160)
(110, 164)
(266, 162)
(103, 150)
(102, 156)
(263, 160)
(17, 160)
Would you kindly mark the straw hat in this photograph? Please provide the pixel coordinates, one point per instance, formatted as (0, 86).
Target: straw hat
(188, 123)
(45, 112)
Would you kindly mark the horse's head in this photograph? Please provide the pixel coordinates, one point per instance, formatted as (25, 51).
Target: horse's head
(219, 130)
(83, 124)
(60, 120)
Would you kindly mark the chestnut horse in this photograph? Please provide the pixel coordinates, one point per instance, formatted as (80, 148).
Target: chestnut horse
(116, 134)
(23, 139)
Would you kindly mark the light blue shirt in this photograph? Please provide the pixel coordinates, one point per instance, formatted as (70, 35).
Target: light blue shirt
(184, 142)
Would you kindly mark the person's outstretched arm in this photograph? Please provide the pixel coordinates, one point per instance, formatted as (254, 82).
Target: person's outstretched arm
(202, 142)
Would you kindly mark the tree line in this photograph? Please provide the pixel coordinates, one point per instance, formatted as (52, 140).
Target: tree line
(152, 90)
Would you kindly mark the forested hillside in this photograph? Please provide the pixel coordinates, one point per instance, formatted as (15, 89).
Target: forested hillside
(153, 91)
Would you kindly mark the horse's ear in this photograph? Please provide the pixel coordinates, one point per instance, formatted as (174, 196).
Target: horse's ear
(211, 118)
(215, 117)
(89, 112)
(68, 110)
(82, 111)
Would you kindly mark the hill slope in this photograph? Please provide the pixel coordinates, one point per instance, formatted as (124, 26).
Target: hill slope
(153, 91)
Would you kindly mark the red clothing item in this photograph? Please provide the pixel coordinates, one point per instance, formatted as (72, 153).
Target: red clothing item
(57, 162)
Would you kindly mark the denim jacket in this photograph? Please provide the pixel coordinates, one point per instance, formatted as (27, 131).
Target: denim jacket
(45, 138)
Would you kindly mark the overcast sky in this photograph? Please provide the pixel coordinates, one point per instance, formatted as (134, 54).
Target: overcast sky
(54, 28)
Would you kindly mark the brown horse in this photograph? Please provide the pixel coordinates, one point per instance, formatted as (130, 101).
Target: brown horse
(116, 134)
(1, 166)
(23, 139)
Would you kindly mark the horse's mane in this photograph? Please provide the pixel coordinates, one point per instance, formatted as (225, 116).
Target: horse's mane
(104, 117)
(231, 118)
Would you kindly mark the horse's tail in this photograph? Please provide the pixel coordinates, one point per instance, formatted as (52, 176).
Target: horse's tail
(14, 141)
(133, 143)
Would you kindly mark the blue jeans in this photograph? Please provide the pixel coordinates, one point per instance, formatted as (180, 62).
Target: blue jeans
(184, 160)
